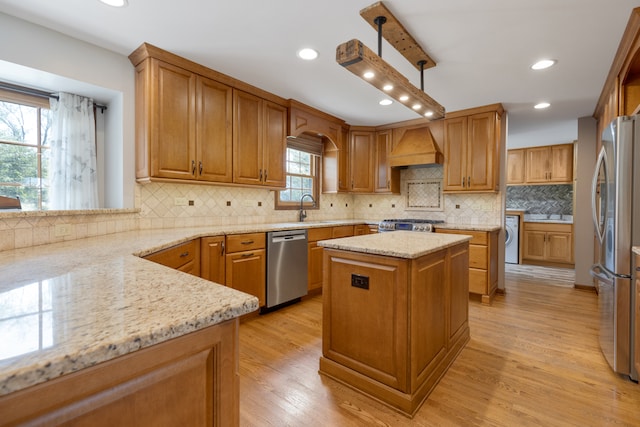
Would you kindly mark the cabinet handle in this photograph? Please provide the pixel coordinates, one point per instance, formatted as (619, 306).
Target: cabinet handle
(265, 175)
(260, 179)
(246, 242)
(200, 166)
(468, 182)
(388, 183)
(184, 254)
(222, 249)
(247, 255)
(193, 167)
(463, 182)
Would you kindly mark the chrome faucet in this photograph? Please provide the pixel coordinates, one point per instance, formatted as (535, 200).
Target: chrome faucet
(303, 213)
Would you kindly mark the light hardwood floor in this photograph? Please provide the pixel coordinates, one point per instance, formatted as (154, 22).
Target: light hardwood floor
(533, 360)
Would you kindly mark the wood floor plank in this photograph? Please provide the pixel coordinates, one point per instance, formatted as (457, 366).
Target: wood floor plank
(533, 360)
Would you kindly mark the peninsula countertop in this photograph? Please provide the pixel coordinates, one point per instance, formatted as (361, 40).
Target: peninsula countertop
(398, 244)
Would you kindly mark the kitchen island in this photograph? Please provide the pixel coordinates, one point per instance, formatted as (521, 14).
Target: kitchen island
(395, 313)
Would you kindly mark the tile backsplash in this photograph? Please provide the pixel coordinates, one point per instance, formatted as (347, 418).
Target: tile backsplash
(541, 199)
(162, 205)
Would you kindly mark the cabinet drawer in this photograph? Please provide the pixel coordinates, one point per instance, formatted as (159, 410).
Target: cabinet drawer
(316, 234)
(176, 256)
(477, 281)
(245, 242)
(478, 255)
(477, 237)
(548, 227)
(342, 231)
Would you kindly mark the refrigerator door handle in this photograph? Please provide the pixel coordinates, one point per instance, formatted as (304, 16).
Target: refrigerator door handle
(594, 193)
(601, 274)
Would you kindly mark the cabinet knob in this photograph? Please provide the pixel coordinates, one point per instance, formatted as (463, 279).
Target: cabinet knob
(184, 254)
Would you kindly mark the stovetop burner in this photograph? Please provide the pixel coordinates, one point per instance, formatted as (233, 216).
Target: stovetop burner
(408, 224)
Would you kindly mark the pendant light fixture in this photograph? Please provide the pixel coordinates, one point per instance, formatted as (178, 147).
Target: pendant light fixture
(364, 63)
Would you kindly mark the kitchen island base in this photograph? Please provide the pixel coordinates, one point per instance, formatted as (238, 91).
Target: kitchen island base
(189, 380)
(393, 326)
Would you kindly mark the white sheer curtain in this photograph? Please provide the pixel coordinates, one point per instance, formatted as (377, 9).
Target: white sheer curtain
(73, 179)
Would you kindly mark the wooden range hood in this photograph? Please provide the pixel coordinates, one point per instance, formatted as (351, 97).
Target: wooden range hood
(417, 147)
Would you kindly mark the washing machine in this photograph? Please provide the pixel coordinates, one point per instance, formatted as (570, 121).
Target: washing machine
(512, 239)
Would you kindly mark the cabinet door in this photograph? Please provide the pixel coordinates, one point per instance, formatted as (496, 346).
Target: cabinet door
(455, 154)
(559, 247)
(481, 152)
(274, 144)
(387, 179)
(561, 163)
(362, 159)
(344, 162)
(537, 164)
(214, 142)
(314, 273)
(247, 138)
(212, 259)
(173, 152)
(515, 166)
(245, 271)
(534, 245)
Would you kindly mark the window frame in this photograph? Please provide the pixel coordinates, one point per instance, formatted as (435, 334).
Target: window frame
(315, 176)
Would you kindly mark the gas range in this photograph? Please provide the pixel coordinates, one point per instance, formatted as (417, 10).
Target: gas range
(424, 225)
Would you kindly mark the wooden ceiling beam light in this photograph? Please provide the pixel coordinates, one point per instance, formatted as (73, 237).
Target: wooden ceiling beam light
(364, 63)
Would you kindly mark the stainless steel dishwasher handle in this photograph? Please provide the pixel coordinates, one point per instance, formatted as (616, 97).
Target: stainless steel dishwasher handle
(288, 238)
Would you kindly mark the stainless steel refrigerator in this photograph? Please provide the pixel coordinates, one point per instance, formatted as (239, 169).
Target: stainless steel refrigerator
(616, 216)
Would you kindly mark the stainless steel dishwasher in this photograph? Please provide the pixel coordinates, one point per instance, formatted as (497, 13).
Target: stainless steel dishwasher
(286, 266)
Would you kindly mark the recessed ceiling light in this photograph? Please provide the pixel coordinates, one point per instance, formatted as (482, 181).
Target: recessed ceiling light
(416, 106)
(543, 63)
(307, 54)
(387, 88)
(428, 114)
(368, 75)
(404, 98)
(542, 105)
(386, 102)
(115, 3)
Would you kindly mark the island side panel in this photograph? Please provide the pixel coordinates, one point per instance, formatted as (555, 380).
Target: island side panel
(365, 315)
(190, 380)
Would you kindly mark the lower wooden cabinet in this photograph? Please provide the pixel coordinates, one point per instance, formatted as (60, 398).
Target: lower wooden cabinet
(314, 235)
(212, 259)
(191, 380)
(361, 229)
(184, 257)
(483, 261)
(246, 264)
(547, 243)
(342, 231)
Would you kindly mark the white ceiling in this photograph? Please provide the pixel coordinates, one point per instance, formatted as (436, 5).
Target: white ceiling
(483, 49)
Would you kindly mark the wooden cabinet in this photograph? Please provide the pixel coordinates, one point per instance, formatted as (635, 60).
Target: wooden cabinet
(547, 243)
(471, 152)
(190, 380)
(212, 259)
(342, 231)
(362, 154)
(549, 164)
(246, 264)
(483, 262)
(414, 310)
(386, 179)
(515, 166)
(183, 130)
(259, 141)
(360, 229)
(315, 254)
(184, 257)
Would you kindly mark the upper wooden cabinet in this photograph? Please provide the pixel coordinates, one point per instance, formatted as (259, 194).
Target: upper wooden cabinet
(259, 141)
(362, 153)
(549, 164)
(471, 151)
(386, 179)
(515, 166)
(187, 130)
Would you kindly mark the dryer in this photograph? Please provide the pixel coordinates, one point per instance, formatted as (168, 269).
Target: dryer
(512, 239)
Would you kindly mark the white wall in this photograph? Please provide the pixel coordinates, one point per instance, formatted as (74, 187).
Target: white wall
(34, 56)
(585, 148)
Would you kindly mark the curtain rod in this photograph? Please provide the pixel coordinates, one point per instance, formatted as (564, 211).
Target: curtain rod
(39, 93)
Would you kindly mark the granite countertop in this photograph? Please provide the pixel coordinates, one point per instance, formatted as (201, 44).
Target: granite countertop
(551, 219)
(470, 227)
(398, 244)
